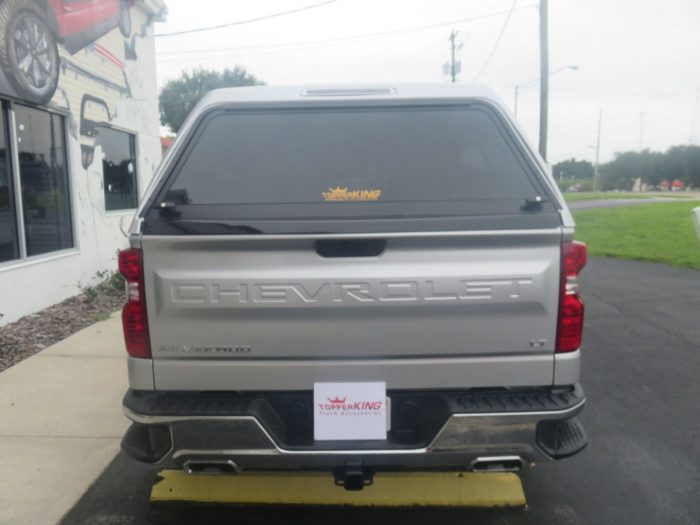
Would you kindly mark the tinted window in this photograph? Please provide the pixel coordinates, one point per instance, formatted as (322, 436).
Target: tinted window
(328, 156)
(8, 229)
(118, 169)
(43, 180)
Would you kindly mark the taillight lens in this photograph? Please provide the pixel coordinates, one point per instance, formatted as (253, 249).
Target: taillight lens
(571, 309)
(134, 318)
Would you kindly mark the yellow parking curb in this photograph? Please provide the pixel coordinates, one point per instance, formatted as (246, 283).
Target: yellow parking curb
(426, 489)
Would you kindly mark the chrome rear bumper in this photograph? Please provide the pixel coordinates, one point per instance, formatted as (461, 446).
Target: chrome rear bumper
(463, 441)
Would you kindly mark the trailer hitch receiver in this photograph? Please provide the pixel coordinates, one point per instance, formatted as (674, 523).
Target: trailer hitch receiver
(354, 476)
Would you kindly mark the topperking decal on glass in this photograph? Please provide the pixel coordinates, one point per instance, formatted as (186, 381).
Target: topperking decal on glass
(345, 194)
(350, 411)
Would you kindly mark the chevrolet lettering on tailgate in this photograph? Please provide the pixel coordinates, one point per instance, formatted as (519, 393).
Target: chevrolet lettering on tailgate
(350, 292)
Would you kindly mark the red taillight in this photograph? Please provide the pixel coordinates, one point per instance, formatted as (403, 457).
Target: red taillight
(130, 264)
(571, 309)
(134, 318)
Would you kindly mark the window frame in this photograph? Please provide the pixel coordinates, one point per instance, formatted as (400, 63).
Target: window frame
(8, 108)
(11, 182)
(137, 168)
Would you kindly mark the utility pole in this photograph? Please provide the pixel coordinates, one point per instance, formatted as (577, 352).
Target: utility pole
(453, 63)
(693, 128)
(544, 78)
(597, 151)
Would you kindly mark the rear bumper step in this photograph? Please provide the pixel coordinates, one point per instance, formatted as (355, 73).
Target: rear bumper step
(467, 430)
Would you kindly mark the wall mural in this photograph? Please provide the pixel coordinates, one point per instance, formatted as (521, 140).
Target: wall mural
(71, 54)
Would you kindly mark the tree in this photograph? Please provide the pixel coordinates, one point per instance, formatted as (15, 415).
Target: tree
(625, 168)
(572, 172)
(573, 169)
(683, 163)
(179, 96)
(620, 173)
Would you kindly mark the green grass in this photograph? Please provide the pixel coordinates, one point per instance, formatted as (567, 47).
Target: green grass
(600, 195)
(660, 232)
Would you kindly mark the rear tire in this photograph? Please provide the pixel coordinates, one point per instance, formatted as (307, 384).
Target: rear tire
(28, 51)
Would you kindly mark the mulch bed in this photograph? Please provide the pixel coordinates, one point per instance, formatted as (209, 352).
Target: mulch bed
(33, 333)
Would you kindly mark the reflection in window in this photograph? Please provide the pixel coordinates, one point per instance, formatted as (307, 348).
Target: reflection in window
(118, 168)
(8, 229)
(43, 180)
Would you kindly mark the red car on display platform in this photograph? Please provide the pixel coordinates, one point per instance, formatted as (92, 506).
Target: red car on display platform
(30, 32)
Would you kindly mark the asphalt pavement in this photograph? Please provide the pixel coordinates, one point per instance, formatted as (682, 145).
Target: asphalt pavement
(641, 373)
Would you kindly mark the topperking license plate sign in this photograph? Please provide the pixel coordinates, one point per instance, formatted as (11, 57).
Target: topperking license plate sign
(344, 411)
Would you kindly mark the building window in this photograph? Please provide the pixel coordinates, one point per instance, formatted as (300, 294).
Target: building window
(35, 207)
(43, 178)
(118, 169)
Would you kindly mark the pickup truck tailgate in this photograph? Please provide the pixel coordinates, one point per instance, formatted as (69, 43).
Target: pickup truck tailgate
(306, 308)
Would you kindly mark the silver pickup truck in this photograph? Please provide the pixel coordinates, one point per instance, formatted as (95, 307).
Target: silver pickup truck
(352, 279)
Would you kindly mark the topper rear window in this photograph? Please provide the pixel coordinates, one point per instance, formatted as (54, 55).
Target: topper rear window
(369, 162)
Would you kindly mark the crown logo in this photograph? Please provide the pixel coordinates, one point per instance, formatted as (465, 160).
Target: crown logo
(336, 194)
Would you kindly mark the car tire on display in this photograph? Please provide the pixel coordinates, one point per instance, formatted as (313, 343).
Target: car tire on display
(124, 18)
(28, 51)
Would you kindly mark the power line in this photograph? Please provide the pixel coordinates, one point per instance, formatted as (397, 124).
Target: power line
(625, 93)
(315, 43)
(607, 92)
(498, 41)
(247, 21)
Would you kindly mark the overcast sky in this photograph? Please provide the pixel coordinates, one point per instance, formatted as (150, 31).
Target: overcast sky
(633, 57)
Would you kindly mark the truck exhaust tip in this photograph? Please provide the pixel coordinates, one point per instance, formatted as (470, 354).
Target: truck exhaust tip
(498, 464)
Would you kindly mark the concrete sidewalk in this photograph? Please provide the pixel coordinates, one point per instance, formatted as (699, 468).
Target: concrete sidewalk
(60, 423)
